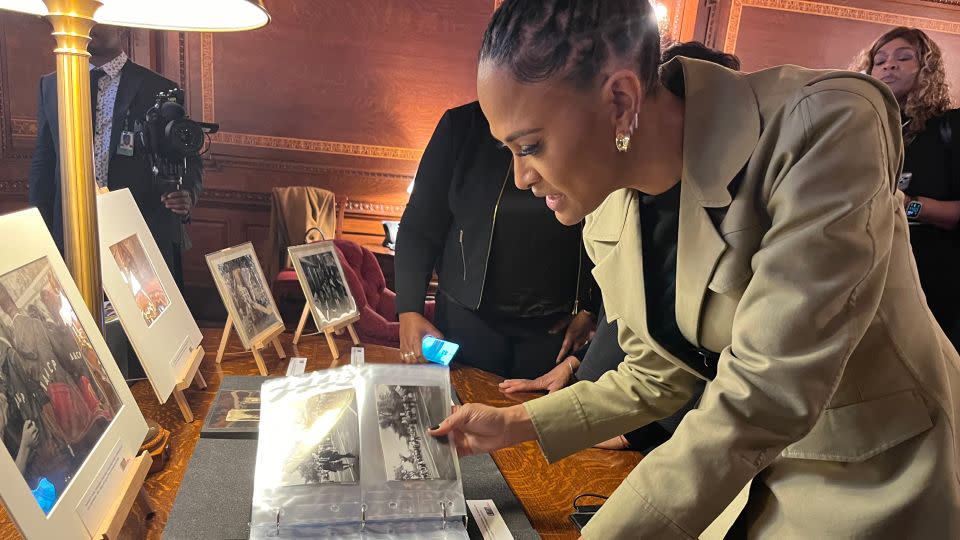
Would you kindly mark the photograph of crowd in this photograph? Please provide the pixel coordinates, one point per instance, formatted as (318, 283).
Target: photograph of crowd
(329, 292)
(141, 278)
(244, 285)
(409, 453)
(56, 400)
(328, 448)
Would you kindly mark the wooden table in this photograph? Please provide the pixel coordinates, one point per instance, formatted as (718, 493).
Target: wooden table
(545, 491)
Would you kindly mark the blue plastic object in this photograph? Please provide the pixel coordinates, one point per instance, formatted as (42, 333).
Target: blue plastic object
(439, 351)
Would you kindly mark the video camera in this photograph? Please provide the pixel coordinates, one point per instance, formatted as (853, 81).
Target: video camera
(168, 138)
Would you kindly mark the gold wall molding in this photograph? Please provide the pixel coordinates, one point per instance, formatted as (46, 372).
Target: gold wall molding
(833, 11)
(206, 76)
(207, 92)
(317, 146)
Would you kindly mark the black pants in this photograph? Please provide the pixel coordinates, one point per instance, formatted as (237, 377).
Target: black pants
(510, 347)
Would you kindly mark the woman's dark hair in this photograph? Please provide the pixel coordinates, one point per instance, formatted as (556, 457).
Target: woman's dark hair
(573, 39)
(695, 49)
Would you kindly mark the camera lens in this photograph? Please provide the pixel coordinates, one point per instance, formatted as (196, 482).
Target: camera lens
(184, 136)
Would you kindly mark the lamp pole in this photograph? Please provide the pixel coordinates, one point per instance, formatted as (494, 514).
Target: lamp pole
(72, 21)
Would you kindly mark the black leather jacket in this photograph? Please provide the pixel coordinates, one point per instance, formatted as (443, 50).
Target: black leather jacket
(449, 221)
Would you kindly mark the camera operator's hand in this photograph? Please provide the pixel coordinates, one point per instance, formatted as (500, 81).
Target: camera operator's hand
(178, 202)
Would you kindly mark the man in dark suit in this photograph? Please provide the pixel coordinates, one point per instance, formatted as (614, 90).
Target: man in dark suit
(121, 94)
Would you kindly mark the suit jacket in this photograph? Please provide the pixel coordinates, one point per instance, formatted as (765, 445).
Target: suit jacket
(136, 94)
(836, 393)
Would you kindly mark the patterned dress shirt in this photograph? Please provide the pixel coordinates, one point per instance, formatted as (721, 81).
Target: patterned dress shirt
(103, 119)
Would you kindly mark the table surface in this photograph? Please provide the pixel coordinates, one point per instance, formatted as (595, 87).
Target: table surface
(545, 491)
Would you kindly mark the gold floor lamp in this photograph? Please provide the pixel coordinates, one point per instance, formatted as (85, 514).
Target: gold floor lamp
(72, 21)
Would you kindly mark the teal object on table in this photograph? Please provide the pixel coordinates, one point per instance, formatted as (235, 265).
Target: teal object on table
(439, 351)
(45, 494)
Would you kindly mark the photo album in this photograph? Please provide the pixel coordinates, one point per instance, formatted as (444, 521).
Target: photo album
(361, 458)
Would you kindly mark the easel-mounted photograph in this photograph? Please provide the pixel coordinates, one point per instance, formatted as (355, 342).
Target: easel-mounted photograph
(251, 310)
(70, 426)
(245, 292)
(150, 306)
(325, 288)
(324, 283)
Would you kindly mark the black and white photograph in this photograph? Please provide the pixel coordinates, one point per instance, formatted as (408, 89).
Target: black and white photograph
(328, 449)
(245, 292)
(409, 452)
(56, 400)
(324, 282)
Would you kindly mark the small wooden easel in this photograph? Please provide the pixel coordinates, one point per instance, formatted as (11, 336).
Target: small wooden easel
(132, 490)
(328, 331)
(255, 348)
(191, 375)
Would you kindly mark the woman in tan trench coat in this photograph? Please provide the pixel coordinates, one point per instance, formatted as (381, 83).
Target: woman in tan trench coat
(764, 206)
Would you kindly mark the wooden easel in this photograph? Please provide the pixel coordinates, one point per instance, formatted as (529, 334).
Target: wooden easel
(132, 490)
(328, 331)
(255, 348)
(192, 375)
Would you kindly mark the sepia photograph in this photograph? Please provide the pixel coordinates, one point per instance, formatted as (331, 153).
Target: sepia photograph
(141, 278)
(234, 409)
(409, 453)
(328, 451)
(56, 400)
(322, 276)
(245, 292)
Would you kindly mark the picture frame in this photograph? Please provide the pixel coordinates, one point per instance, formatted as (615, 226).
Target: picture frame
(246, 294)
(64, 391)
(151, 308)
(324, 284)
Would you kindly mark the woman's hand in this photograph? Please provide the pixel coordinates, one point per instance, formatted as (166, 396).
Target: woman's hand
(479, 429)
(551, 381)
(413, 326)
(579, 330)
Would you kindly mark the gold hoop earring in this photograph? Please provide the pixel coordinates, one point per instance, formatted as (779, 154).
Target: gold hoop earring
(623, 142)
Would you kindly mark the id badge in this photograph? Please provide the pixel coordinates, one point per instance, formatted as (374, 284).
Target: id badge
(125, 148)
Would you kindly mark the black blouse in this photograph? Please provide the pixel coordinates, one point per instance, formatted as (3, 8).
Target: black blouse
(932, 159)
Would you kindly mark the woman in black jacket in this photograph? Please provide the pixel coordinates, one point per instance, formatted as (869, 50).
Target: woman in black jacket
(467, 219)
(911, 64)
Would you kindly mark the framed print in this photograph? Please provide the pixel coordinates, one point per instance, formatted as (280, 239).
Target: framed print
(324, 284)
(142, 290)
(245, 293)
(69, 424)
(234, 414)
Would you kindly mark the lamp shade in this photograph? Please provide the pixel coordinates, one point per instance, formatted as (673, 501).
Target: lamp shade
(180, 15)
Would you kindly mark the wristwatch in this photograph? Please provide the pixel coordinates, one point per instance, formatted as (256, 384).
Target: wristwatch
(913, 208)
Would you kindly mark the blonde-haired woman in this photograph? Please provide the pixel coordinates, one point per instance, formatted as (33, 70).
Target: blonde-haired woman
(911, 64)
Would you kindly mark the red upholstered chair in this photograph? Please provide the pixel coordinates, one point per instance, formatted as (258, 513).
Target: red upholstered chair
(377, 304)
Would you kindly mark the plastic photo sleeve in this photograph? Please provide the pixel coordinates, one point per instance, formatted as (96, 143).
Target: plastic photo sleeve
(408, 474)
(308, 456)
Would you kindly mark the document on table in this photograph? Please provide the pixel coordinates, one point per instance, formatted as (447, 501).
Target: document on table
(488, 519)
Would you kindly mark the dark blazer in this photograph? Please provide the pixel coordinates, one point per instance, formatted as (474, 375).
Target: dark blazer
(136, 94)
(448, 222)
